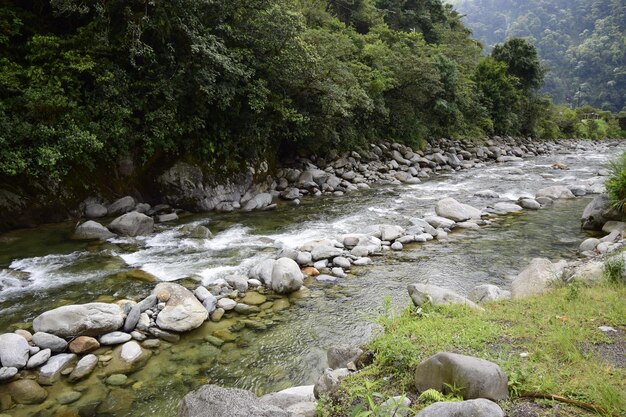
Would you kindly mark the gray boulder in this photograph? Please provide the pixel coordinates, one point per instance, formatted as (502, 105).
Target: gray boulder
(588, 273)
(506, 208)
(530, 204)
(214, 401)
(598, 212)
(121, 206)
(286, 276)
(340, 356)
(7, 373)
(476, 378)
(84, 367)
(91, 319)
(135, 312)
(296, 400)
(114, 338)
(487, 194)
(91, 230)
(390, 233)
(49, 341)
(258, 202)
(95, 211)
(485, 293)
(39, 359)
(453, 210)
(325, 252)
(472, 408)
(537, 277)
(329, 382)
(132, 224)
(14, 351)
(613, 226)
(51, 371)
(589, 244)
(440, 222)
(182, 312)
(430, 294)
(263, 271)
(556, 192)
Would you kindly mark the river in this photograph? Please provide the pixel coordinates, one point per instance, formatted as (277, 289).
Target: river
(285, 346)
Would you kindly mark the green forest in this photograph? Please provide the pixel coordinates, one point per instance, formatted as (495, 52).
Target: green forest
(86, 82)
(581, 42)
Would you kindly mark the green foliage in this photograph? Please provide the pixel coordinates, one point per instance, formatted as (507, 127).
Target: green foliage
(522, 62)
(581, 42)
(616, 184)
(614, 270)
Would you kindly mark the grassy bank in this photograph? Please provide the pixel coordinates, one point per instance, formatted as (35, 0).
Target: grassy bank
(549, 344)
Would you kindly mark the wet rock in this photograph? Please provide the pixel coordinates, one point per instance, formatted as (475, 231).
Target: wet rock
(226, 402)
(613, 226)
(329, 382)
(49, 341)
(121, 206)
(51, 371)
(95, 211)
(390, 233)
(440, 222)
(114, 338)
(226, 304)
(485, 293)
(84, 344)
(304, 258)
(14, 351)
(476, 378)
(132, 224)
(424, 293)
(169, 217)
(116, 380)
(245, 309)
(182, 312)
(487, 194)
(238, 282)
(134, 315)
(151, 343)
(119, 401)
(7, 373)
(217, 314)
(68, 397)
(254, 298)
(530, 204)
(340, 356)
(589, 244)
(80, 319)
(263, 271)
(556, 192)
(258, 202)
(84, 367)
(597, 213)
(127, 358)
(451, 209)
(286, 276)
(91, 230)
(506, 208)
(200, 232)
(325, 252)
(202, 293)
(27, 391)
(536, 278)
(472, 408)
(39, 359)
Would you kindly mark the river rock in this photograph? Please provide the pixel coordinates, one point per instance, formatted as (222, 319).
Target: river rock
(226, 402)
(325, 252)
(258, 202)
(530, 204)
(286, 276)
(210, 303)
(84, 367)
(485, 293)
(162, 334)
(299, 401)
(39, 359)
(226, 304)
(51, 371)
(597, 213)
(487, 194)
(425, 293)
(451, 209)
(397, 246)
(182, 312)
(471, 408)
(613, 226)
(132, 224)
(200, 232)
(95, 211)
(440, 222)
(121, 206)
(304, 258)
(91, 319)
(589, 244)
(84, 344)
(589, 273)
(341, 355)
(7, 373)
(136, 311)
(506, 208)
(169, 217)
(263, 271)
(556, 192)
(49, 341)
(476, 378)
(114, 338)
(329, 382)
(27, 391)
(68, 397)
(341, 262)
(14, 351)
(91, 230)
(536, 277)
(390, 233)
(238, 282)
(127, 358)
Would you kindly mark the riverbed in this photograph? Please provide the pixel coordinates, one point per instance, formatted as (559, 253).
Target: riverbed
(41, 269)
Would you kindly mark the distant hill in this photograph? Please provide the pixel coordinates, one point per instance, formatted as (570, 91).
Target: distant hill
(582, 42)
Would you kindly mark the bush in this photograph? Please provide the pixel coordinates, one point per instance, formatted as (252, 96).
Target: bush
(616, 184)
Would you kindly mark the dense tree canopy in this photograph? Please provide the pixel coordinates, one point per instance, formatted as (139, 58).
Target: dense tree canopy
(580, 41)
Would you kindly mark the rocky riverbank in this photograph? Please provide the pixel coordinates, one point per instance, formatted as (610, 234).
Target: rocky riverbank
(122, 335)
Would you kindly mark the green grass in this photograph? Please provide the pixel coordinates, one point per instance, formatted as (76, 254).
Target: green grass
(559, 330)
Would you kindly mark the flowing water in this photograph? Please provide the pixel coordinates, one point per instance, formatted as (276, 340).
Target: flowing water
(285, 345)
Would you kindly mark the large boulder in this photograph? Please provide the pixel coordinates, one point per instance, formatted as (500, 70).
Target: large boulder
(472, 408)
(430, 294)
(26, 391)
(325, 252)
(296, 400)
(182, 312)
(132, 224)
(263, 271)
(214, 401)
(121, 206)
(91, 230)
(474, 377)
(556, 192)
(14, 351)
(537, 277)
(258, 202)
(598, 212)
(286, 276)
(95, 210)
(486, 292)
(451, 209)
(91, 319)
(340, 356)
(49, 341)
(390, 232)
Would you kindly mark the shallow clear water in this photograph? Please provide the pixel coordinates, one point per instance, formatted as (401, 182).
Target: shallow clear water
(285, 345)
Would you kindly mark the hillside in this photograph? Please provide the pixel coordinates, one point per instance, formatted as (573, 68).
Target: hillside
(581, 42)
